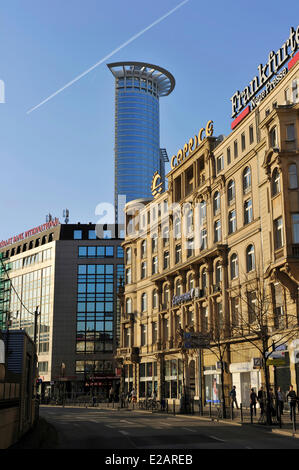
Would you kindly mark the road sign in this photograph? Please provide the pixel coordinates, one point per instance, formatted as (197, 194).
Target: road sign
(276, 362)
(195, 340)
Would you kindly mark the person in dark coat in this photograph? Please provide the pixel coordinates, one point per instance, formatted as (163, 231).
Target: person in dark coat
(292, 399)
(253, 400)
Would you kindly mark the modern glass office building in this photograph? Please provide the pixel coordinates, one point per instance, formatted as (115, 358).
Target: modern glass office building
(138, 87)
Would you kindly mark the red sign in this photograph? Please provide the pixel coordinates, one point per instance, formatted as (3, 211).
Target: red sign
(29, 233)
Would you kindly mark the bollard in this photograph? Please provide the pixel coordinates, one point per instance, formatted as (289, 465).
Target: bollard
(210, 409)
(241, 412)
(113, 404)
(294, 420)
(251, 414)
(232, 411)
(167, 406)
(173, 406)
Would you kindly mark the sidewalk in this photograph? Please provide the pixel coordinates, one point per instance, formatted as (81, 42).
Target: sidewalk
(41, 436)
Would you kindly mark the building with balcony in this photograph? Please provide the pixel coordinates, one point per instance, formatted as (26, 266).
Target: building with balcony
(217, 256)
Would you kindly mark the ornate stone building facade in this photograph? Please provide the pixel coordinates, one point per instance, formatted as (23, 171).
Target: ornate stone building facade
(217, 254)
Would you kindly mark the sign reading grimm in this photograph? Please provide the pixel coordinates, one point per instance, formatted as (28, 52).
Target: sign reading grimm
(29, 233)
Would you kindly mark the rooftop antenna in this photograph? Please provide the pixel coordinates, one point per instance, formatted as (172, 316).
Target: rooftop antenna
(66, 214)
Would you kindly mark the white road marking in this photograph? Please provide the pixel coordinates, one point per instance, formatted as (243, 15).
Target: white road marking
(217, 439)
(124, 433)
(188, 429)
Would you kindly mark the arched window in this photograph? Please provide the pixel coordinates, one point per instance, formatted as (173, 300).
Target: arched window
(216, 203)
(231, 192)
(293, 177)
(129, 305)
(246, 179)
(250, 258)
(275, 182)
(144, 302)
(234, 268)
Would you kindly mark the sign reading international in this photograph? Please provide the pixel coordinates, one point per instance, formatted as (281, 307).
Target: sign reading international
(29, 233)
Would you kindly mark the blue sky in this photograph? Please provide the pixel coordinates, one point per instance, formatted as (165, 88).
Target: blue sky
(61, 155)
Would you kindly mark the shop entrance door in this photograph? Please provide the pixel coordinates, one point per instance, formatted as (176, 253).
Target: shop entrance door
(245, 388)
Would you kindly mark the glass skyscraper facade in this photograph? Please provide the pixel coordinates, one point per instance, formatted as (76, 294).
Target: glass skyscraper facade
(138, 88)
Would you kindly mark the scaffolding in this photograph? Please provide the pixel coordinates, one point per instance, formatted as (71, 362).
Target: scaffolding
(4, 292)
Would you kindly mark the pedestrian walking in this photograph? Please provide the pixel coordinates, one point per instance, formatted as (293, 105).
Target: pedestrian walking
(280, 398)
(134, 396)
(233, 395)
(271, 402)
(261, 399)
(253, 400)
(292, 399)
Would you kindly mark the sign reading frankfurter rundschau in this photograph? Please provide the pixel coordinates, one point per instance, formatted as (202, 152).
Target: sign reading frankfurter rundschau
(265, 72)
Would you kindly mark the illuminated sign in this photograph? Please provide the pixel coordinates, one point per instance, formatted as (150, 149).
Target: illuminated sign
(265, 73)
(157, 184)
(192, 145)
(29, 233)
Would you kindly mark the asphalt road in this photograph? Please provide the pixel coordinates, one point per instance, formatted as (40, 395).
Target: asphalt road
(81, 428)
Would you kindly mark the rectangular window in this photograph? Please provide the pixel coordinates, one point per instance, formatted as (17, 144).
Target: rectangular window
(235, 148)
(219, 163)
(178, 250)
(92, 235)
(120, 252)
(232, 225)
(295, 90)
(166, 260)
(155, 265)
(203, 239)
(251, 135)
(290, 132)
(295, 225)
(190, 247)
(228, 156)
(243, 141)
(278, 233)
(248, 212)
(77, 234)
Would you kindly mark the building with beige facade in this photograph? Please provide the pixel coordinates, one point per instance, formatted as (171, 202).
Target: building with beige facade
(217, 256)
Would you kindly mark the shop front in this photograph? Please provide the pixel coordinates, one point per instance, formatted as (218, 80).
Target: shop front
(212, 385)
(245, 376)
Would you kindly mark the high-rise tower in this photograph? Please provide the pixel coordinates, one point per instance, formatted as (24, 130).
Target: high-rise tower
(138, 87)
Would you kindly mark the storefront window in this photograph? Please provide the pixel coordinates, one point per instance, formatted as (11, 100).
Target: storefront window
(212, 388)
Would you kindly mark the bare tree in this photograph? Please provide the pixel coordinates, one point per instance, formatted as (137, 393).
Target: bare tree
(262, 325)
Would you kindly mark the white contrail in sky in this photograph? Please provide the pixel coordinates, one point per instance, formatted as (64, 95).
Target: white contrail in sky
(108, 56)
